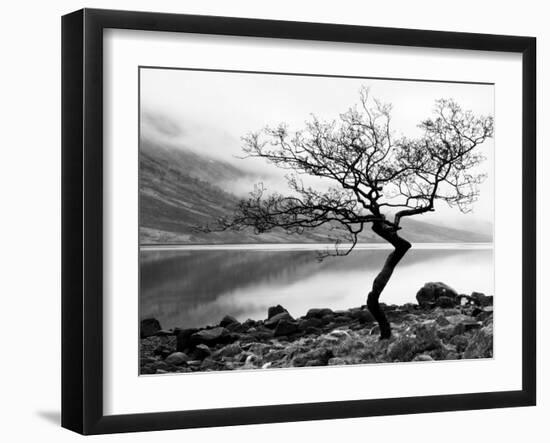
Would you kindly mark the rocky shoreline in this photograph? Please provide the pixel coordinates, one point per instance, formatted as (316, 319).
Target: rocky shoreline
(443, 325)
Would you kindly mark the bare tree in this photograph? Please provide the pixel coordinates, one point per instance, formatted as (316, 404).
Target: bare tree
(376, 179)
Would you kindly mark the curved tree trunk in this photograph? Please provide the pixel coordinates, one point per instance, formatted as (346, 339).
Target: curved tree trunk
(401, 247)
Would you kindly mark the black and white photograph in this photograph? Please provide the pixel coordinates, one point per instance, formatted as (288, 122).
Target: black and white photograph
(304, 220)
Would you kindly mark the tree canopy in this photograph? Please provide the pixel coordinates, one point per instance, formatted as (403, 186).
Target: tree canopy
(376, 177)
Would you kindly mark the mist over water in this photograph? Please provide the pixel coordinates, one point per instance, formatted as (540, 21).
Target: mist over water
(197, 286)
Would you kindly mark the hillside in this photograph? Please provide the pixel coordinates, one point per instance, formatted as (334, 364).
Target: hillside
(180, 189)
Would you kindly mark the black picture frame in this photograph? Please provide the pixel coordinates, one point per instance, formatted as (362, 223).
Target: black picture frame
(82, 220)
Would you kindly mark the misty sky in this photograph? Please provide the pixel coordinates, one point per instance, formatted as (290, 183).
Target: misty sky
(209, 112)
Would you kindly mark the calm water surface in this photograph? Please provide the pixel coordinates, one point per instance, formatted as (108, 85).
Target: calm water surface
(196, 286)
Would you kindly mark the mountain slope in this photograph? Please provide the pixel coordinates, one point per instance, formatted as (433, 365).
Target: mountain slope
(180, 190)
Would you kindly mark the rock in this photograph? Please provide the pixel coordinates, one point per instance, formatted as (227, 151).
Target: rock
(311, 330)
(286, 327)
(162, 365)
(201, 352)
(339, 334)
(274, 355)
(459, 318)
(402, 349)
(445, 302)
(396, 315)
(250, 361)
(274, 310)
(452, 311)
(460, 341)
(319, 313)
(228, 320)
(183, 339)
(446, 332)
(343, 319)
(209, 363)
(485, 313)
(259, 335)
(164, 333)
(258, 348)
(442, 321)
(410, 307)
(336, 361)
(466, 325)
(247, 324)
(423, 357)
(481, 344)
(315, 357)
(430, 292)
(274, 320)
(177, 358)
(163, 351)
(310, 323)
(149, 327)
(210, 337)
(426, 339)
(363, 316)
(481, 299)
(229, 350)
(476, 311)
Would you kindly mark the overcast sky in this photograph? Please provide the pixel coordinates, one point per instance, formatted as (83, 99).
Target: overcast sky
(209, 112)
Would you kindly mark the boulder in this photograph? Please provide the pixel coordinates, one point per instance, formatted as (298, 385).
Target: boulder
(183, 339)
(228, 320)
(273, 321)
(428, 295)
(445, 302)
(259, 334)
(229, 351)
(310, 323)
(210, 337)
(362, 315)
(177, 358)
(343, 319)
(484, 313)
(201, 352)
(286, 327)
(274, 310)
(247, 324)
(149, 327)
(481, 299)
(319, 313)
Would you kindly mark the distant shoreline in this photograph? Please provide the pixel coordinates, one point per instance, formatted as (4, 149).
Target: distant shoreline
(308, 246)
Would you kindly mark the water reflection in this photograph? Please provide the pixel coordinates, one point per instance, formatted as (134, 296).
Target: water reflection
(188, 288)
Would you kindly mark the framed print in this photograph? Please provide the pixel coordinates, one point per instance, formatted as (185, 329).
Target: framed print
(292, 221)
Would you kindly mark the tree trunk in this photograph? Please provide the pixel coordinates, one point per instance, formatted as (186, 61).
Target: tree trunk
(401, 247)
